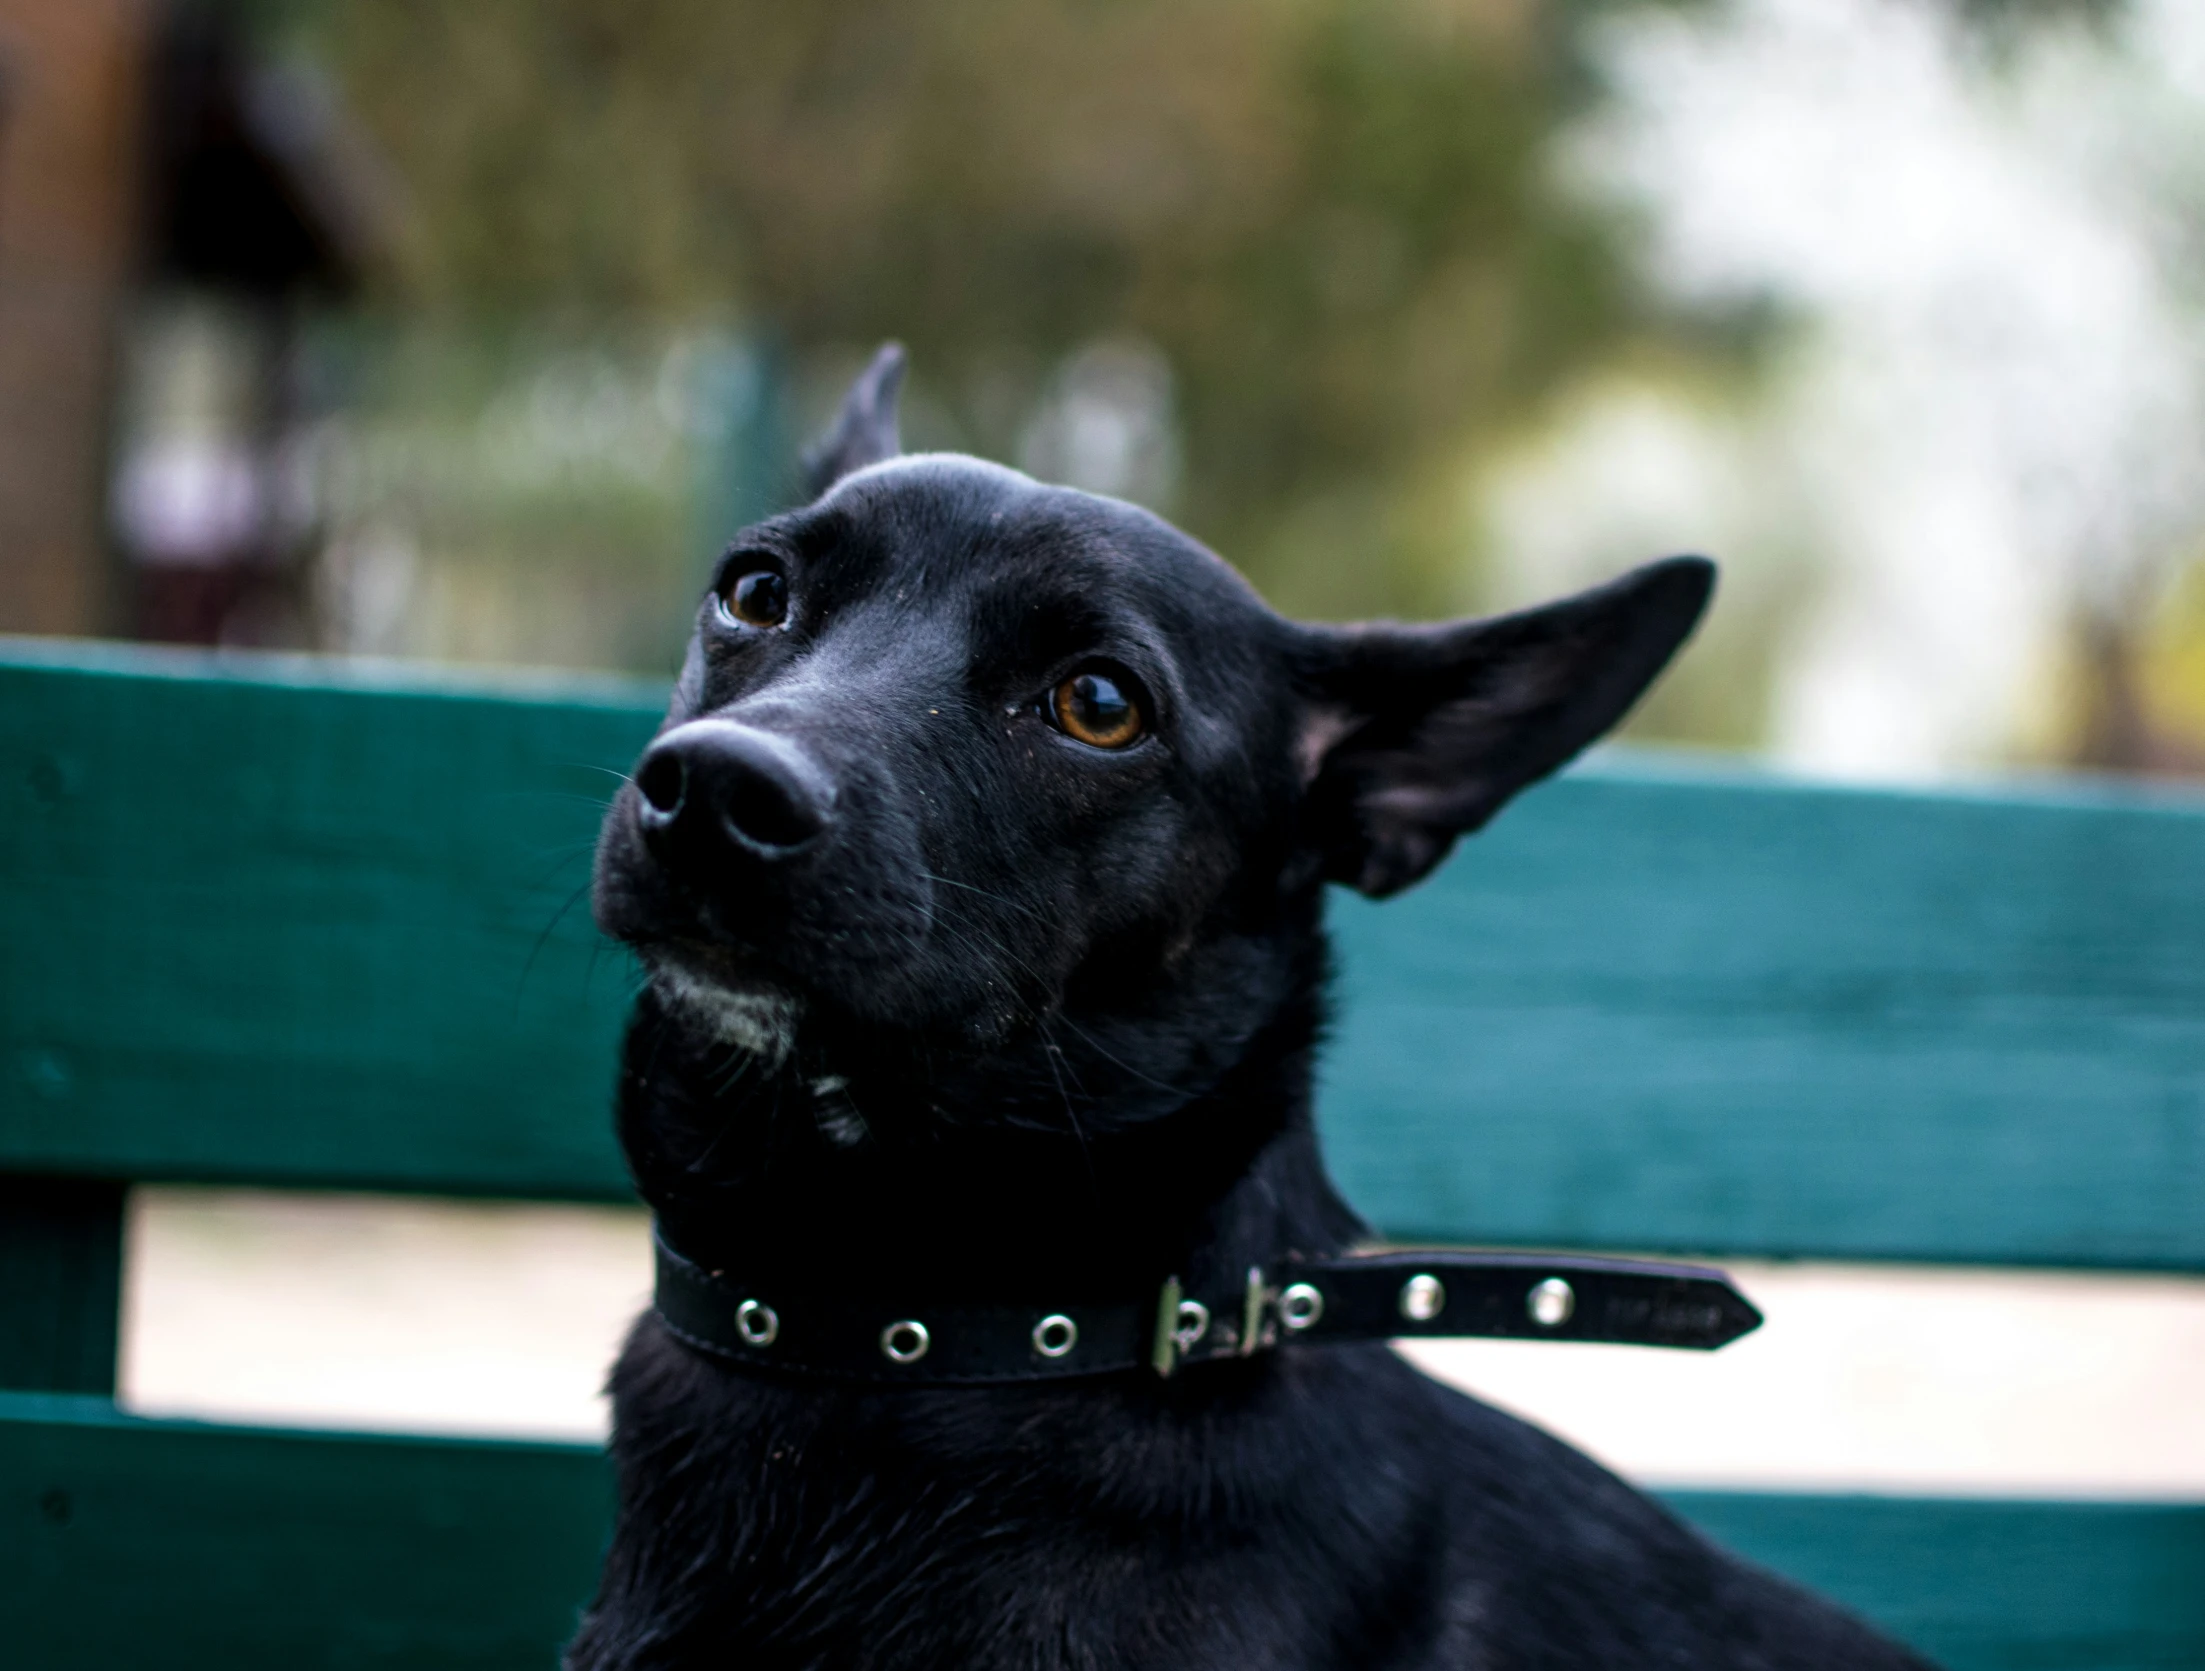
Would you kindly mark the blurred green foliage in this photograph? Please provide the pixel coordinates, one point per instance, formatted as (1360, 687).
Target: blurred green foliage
(1334, 218)
(518, 493)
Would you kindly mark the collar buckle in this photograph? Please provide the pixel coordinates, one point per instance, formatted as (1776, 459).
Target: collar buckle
(1181, 1324)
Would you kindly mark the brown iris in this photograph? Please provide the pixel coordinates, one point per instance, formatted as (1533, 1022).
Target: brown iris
(758, 599)
(1097, 708)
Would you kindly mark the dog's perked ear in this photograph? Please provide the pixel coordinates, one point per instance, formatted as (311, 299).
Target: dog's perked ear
(1417, 735)
(864, 431)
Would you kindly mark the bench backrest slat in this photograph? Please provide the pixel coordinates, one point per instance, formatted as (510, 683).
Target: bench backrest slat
(288, 922)
(132, 1542)
(1740, 1017)
(278, 931)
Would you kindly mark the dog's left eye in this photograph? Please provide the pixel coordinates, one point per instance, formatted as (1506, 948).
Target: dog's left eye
(757, 599)
(1098, 707)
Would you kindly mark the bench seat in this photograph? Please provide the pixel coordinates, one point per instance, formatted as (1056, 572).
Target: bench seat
(292, 923)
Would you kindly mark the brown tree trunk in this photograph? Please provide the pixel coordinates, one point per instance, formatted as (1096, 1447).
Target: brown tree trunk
(72, 80)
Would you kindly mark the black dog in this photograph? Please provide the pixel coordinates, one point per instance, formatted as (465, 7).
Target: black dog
(979, 873)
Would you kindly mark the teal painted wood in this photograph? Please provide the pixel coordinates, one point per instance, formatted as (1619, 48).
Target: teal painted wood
(279, 922)
(234, 1547)
(270, 920)
(1654, 1010)
(127, 1542)
(1987, 1585)
(61, 1244)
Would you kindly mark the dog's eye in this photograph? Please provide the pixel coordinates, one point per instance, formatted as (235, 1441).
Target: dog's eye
(757, 599)
(1097, 708)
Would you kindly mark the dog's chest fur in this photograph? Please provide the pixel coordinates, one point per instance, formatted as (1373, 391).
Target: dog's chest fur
(1327, 1510)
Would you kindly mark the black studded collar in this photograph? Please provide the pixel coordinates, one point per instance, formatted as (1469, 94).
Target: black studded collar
(1292, 1302)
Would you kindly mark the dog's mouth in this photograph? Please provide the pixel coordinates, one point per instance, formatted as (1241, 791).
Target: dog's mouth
(727, 996)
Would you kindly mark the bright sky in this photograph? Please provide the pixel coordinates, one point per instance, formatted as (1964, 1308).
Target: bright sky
(1994, 413)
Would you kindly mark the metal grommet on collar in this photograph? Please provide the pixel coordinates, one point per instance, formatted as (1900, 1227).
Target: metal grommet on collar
(905, 1340)
(1551, 1302)
(1055, 1335)
(1423, 1297)
(1299, 1307)
(757, 1322)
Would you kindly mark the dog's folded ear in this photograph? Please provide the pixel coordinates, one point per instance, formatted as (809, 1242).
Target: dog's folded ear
(864, 431)
(1419, 734)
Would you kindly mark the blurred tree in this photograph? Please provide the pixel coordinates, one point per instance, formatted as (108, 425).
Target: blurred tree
(1332, 218)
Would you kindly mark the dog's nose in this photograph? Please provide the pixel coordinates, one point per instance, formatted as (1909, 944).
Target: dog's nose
(713, 786)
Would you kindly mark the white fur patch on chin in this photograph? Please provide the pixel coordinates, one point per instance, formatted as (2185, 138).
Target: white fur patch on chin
(844, 1127)
(839, 1123)
(759, 1019)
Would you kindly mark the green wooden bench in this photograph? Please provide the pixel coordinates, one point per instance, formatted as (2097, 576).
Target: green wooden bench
(283, 923)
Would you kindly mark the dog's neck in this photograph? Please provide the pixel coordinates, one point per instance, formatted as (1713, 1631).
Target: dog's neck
(1050, 1165)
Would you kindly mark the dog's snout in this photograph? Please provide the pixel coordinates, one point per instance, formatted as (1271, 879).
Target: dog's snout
(712, 788)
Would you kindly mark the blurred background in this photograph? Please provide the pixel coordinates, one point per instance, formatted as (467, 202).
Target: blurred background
(472, 331)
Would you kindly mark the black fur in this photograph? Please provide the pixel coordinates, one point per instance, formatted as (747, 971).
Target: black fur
(939, 991)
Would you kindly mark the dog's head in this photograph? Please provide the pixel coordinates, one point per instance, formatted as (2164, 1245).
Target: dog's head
(961, 757)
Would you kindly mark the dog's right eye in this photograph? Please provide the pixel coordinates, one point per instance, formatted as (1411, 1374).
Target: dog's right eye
(757, 599)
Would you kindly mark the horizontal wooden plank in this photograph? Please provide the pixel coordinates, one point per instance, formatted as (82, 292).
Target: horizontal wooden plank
(241, 1548)
(293, 922)
(271, 920)
(1651, 1010)
(129, 1542)
(1986, 1585)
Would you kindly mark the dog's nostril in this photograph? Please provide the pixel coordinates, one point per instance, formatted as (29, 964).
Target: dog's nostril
(660, 781)
(770, 812)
